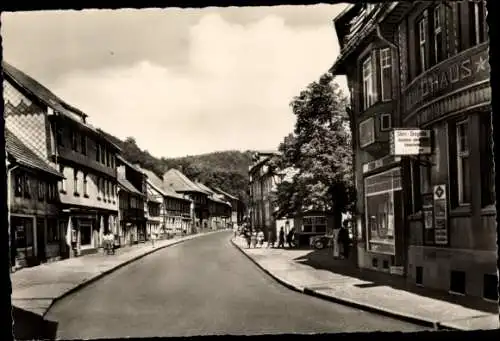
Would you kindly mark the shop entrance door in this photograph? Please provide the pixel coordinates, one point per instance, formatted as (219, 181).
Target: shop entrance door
(40, 240)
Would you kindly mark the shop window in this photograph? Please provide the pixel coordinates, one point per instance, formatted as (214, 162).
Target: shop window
(83, 144)
(386, 74)
(385, 122)
(457, 282)
(415, 186)
(438, 34)
(19, 184)
(75, 183)
(374, 262)
(62, 182)
(23, 236)
(368, 83)
(487, 163)
(463, 165)
(423, 41)
(53, 233)
(27, 186)
(41, 190)
(490, 287)
(419, 275)
(385, 264)
(85, 234)
(477, 22)
(380, 195)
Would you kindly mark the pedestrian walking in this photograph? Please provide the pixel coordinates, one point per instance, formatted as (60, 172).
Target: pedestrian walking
(281, 238)
(290, 238)
(344, 241)
(253, 239)
(153, 238)
(248, 237)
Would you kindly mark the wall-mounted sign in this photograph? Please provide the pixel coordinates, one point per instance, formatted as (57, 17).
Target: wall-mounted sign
(410, 142)
(440, 215)
(465, 68)
(366, 132)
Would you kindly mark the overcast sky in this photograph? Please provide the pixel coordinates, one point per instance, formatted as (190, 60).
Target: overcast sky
(179, 81)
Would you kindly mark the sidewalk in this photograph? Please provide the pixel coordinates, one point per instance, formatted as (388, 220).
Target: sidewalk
(342, 283)
(35, 289)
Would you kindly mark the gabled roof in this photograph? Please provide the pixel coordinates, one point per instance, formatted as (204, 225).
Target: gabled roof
(128, 164)
(157, 183)
(50, 99)
(25, 156)
(225, 193)
(125, 184)
(204, 187)
(178, 182)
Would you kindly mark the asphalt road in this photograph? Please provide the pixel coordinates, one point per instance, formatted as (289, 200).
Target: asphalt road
(202, 287)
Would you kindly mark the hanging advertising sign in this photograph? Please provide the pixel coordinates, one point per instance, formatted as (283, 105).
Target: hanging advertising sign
(410, 142)
(440, 205)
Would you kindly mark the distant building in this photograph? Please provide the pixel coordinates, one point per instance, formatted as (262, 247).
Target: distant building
(32, 206)
(132, 195)
(262, 180)
(59, 134)
(429, 216)
(174, 180)
(219, 210)
(237, 207)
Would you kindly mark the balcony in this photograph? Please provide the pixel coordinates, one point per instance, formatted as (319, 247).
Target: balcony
(83, 160)
(133, 214)
(457, 83)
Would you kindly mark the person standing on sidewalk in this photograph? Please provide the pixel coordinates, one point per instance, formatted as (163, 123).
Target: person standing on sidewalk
(344, 242)
(153, 238)
(281, 239)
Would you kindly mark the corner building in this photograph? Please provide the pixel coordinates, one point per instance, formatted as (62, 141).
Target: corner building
(423, 66)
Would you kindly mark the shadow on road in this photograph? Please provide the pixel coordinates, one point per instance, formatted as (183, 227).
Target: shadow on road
(323, 260)
(30, 326)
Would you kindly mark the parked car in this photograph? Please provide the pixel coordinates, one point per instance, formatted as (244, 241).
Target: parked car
(320, 242)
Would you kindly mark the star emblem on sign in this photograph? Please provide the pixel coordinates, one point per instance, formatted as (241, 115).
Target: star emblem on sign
(481, 64)
(439, 192)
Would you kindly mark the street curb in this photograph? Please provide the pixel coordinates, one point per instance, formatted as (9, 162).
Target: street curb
(107, 272)
(412, 319)
(279, 280)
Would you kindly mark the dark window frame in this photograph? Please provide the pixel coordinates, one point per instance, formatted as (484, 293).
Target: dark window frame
(41, 190)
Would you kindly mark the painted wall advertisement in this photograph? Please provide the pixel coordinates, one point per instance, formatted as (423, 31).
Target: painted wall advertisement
(440, 205)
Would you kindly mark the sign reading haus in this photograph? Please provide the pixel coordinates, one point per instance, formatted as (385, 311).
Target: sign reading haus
(466, 68)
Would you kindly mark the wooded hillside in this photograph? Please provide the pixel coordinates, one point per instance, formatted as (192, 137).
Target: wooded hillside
(227, 170)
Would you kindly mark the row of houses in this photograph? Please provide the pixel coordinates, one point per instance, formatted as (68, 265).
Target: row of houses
(69, 184)
(421, 121)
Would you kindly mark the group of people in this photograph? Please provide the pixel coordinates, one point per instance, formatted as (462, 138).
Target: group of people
(342, 242)
(256, 238)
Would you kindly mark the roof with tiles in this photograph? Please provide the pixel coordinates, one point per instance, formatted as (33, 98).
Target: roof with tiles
(25, 156)
(125, 184)
(49, 98)
(178, 182)
(157, 183)
(225, 193)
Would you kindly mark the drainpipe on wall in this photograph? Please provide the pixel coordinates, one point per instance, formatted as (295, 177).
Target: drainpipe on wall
(9, 200)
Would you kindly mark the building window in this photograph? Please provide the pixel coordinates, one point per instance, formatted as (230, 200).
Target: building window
(75, 182)
(477, 17)
(83, 143)
(422, 25)
(487, 163)
(59, 136)
(74, 140)
(51, 192)
(385, 122)
(85, 234)
(85, 187)
(98, 152)
(98, 188)
(103, 155)
(368, 84)
(438, 34)
(63, 180)
(27, 186)
(41, 190)
(386, 74)
(463, 166)
(18, 183)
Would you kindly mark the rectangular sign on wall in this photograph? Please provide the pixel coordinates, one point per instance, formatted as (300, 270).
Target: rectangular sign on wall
(410, 142)
(440, 215)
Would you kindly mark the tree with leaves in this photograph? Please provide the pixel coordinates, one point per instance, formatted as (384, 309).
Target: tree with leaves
(320, 151)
